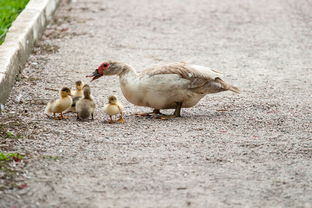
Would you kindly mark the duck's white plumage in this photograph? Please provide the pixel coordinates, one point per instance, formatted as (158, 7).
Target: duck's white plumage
(161, 87)
(173, 85)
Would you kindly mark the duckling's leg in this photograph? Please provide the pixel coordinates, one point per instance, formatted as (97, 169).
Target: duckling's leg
(110, 119)
(63, 117)
(92, 116)
(121, 120)
(60, 117)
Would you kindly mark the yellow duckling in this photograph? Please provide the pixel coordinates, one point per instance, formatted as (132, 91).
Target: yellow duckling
(76, 95)
(85, 106)
(59, 105)
(114, 107)
(72, 108)
(78, 92)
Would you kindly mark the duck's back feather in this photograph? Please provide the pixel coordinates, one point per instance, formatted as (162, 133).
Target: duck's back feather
(184, 70)
(162, 86)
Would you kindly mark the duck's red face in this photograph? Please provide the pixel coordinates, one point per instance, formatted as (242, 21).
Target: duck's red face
(99, 71)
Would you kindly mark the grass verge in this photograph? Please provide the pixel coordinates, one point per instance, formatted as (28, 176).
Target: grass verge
(12, 162)
(9, 10)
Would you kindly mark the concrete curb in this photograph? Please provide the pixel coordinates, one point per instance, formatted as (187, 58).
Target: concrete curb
(19, 41)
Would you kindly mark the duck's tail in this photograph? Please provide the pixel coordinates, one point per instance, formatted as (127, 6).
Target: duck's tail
(234, 89)
(227, 86)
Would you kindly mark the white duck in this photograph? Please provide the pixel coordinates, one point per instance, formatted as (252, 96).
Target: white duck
(171, 86)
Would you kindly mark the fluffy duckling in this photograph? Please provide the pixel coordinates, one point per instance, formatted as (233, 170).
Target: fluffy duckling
(78, 92)
(113, 108)
(76, 95)
(59, 105)
(72, 108)
(86, 105)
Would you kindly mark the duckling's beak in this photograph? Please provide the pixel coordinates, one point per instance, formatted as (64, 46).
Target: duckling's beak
(95, 75)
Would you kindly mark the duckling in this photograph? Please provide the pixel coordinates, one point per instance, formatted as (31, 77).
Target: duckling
(86, 105)
(72, 108)
(76, 95)
(59, 105)
(78, 92)
(113, 108)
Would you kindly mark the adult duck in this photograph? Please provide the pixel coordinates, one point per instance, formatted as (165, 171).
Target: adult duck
(171, 86)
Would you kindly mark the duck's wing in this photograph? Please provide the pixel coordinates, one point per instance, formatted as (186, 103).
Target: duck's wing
(196, 74)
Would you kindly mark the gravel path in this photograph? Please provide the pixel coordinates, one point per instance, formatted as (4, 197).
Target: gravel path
(252, 149)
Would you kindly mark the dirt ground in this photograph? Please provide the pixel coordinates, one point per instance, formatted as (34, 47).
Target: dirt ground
(252, 149)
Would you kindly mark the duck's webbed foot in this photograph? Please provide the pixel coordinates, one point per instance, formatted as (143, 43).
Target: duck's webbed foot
(165, 117)
(149, 114)
(143, 114)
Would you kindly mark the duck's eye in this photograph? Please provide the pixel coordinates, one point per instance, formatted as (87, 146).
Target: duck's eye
(105, 65)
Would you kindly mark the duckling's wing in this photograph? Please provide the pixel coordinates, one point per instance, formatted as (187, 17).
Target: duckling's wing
(93, 105)
(196, 74)
(75, 100)
(49, 106)
(120, 106)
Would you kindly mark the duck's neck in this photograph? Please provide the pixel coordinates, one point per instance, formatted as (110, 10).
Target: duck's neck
(129, 81)
(128, 73)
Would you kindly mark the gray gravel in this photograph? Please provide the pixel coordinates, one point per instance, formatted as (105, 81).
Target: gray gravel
(252, 149)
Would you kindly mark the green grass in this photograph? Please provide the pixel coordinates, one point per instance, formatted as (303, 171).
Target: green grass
(9, 10)
(51, 157)
(10, 173)
(10, 156)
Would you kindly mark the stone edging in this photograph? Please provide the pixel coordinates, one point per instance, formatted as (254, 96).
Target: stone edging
(19, 41)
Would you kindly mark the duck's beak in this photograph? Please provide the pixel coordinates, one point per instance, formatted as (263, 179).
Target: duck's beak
(95, 75)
